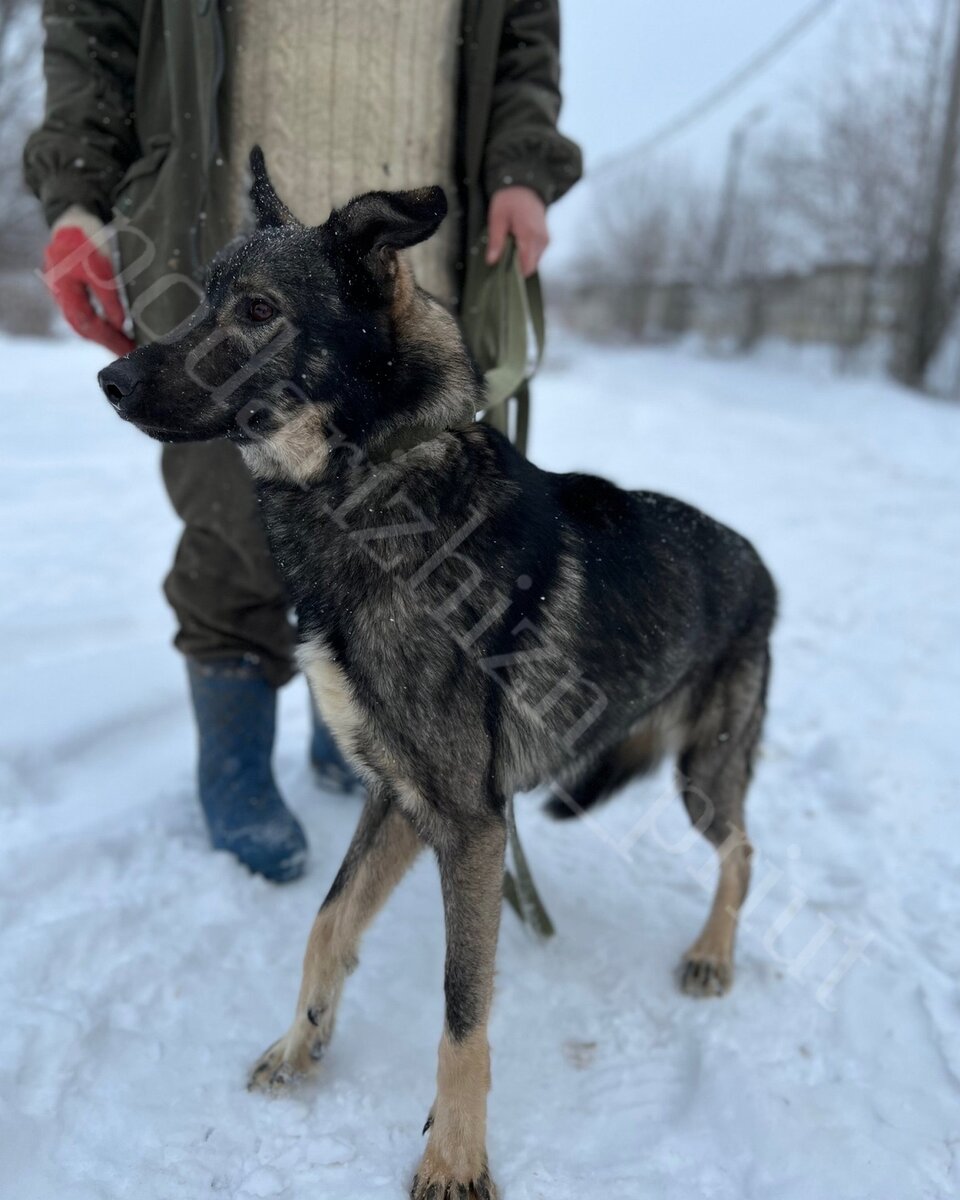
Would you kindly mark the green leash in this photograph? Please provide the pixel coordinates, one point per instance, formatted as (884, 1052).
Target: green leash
(500, 310)
(519, 890)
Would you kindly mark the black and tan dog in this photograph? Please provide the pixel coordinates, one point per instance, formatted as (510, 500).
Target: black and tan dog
(470, 625)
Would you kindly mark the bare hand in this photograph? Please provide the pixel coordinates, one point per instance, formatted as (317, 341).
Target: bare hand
(520, 211)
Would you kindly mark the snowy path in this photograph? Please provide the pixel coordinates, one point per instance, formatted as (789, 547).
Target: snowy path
(140, 975)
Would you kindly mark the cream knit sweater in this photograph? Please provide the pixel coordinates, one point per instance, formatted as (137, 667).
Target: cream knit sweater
(346, 96)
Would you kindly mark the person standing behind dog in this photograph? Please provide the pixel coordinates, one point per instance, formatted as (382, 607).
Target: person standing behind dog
(152, 106)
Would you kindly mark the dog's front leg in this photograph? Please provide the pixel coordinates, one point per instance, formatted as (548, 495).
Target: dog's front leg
(471, 875)
(383, 847)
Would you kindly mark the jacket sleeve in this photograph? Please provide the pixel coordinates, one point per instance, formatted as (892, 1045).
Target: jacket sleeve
(88, 137)
(524, 145)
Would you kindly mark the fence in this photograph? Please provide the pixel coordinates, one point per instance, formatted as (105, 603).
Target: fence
(845, 305)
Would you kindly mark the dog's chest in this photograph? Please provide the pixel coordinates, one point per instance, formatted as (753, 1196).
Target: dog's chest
(332, 692)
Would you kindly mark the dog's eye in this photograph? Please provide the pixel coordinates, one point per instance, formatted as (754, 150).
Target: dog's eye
(260, 310)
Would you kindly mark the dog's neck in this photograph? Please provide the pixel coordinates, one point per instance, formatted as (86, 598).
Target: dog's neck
(358, 512)
(408, 438)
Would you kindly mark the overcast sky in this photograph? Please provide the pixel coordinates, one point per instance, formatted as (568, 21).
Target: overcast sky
(631, 65)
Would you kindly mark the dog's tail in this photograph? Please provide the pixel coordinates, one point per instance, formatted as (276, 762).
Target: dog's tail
(636, 756)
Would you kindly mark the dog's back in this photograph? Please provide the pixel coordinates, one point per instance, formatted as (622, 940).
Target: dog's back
(625, 607)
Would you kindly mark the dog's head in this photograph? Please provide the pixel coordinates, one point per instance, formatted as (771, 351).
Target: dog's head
(307, 337)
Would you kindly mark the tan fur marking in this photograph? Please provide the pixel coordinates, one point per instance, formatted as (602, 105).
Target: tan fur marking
(331, 954)
(335, 936)
(456, 1152)
(331, 693)
(420, 320)
(663, 731)
(643, 746)
(297, 451)
(713, 949)
(404, 289)
(411, 800)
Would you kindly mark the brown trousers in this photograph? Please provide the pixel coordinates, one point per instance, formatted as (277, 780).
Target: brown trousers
(223, 586)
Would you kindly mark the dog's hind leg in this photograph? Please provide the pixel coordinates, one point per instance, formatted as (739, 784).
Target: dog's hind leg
(454, 1163)
(383, 847)
(715, 767)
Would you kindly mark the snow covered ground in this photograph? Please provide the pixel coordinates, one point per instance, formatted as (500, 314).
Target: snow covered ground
(141, 974)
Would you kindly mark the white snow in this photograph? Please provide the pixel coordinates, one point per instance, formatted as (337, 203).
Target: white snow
(141, 974)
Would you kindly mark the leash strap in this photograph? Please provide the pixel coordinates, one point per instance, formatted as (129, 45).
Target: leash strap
(503, 321)
(517, 308)
(519, 890)
(503, 311)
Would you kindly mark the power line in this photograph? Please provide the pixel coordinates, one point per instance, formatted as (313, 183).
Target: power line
(753, 67)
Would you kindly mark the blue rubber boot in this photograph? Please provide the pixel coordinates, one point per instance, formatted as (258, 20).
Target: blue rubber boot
(236, 712)
(332, 771)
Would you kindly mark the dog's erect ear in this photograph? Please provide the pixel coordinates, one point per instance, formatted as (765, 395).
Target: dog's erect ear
(386, 221)
(268, 208)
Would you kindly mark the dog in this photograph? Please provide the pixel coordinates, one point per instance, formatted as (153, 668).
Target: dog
(470, 625)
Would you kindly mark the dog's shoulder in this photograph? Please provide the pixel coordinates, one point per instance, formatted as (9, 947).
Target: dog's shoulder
(593, 501)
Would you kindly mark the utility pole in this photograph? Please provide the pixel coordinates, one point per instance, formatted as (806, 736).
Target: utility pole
(731, 191)
(925, 323)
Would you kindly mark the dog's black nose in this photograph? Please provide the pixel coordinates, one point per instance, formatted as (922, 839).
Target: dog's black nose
(118, 382)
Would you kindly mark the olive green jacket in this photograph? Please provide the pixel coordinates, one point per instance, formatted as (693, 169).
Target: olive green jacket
(132, 119)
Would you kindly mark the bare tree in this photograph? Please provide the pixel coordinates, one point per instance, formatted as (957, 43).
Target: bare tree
(856, 178)
(25, 305)
(648, 225)
(649, 228)
(839, 215)
(21, 226)
(937, 282)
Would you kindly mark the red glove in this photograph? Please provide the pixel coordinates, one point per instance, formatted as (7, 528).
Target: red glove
(76, 271)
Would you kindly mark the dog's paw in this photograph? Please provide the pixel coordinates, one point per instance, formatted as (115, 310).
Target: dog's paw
(436, 1180)
(430, 1188)
(705, 974)
(286, 1062)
